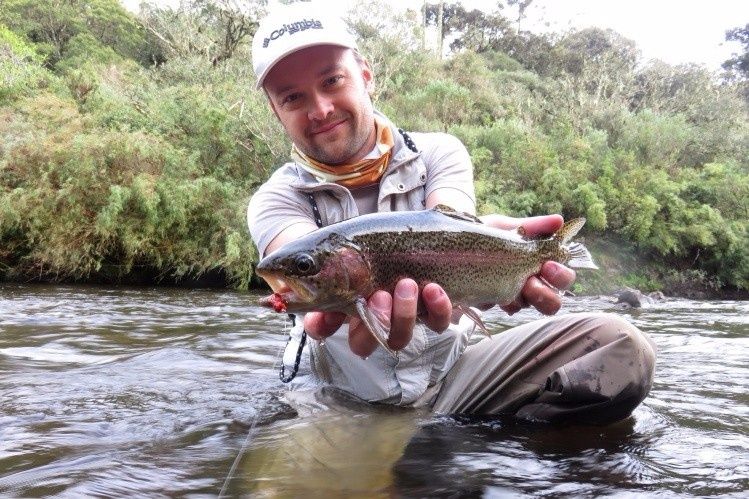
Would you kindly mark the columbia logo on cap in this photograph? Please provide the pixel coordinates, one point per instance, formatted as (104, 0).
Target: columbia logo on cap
(292, 28)
(313, 25)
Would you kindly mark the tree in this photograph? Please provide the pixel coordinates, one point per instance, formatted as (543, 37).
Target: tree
(388, 41)
(599, 63)
(52, 24)
(738, 65)
(469, 29)
(48, 23)
(522, 6)
(482, 32)
(210, 28)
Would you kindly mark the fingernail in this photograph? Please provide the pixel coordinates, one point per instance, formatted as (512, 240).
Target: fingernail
(406, 291)
(380, 300)
(433, 292)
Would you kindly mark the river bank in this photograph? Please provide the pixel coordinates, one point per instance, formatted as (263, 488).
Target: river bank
(621, 266)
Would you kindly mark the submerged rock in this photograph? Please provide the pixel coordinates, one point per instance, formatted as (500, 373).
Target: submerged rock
(657, 295)
(633, 298)
(269, 410)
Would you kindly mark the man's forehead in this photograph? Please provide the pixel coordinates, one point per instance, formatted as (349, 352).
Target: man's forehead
(310, 62)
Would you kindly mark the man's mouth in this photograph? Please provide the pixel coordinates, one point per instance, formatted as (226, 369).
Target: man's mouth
(327, 127)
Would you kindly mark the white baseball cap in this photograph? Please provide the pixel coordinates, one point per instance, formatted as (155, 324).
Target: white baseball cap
(294, 27)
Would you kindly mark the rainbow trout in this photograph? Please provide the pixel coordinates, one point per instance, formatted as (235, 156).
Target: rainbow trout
(336, 268)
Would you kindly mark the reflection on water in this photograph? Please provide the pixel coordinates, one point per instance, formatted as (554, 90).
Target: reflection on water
(107, 391)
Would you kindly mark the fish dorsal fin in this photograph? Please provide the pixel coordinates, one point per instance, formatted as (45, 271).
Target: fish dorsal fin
(459, 215)
(335, 239)
(569, 230)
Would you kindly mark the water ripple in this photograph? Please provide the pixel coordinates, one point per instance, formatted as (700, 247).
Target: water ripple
(150, 392)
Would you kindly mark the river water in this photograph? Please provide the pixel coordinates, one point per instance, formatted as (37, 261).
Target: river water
(155, 392)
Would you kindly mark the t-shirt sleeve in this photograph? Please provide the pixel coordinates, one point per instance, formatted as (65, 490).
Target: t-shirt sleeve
(272, 209)
(448, 166)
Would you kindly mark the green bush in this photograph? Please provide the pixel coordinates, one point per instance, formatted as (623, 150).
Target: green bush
(21, 72)
(111, 166)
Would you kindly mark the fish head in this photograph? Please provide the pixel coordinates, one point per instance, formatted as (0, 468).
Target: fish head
(312, 274)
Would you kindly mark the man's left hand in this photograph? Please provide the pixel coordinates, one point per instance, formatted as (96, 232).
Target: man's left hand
(535, 292)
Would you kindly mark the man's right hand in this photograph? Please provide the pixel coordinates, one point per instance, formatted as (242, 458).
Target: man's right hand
(399, 309)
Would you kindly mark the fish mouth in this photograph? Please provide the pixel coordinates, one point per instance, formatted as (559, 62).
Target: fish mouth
(291, 290)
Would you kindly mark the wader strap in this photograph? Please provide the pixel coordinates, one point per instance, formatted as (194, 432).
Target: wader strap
(300, 349)
(292, 375)
(407, 139)
(316, 212)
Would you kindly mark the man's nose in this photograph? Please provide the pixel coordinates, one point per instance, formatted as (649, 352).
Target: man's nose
(320, 107)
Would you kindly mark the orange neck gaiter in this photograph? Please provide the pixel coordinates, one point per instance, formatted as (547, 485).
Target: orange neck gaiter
(360, 174)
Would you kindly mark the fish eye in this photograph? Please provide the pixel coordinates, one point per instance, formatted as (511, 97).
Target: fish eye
(305, 264)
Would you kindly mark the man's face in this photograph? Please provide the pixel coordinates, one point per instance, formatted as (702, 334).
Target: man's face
(321, 96)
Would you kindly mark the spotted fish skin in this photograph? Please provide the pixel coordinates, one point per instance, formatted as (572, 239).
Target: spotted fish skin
(473, 267)
(337, 267)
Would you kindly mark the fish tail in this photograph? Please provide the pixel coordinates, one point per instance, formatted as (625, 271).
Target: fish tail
(580, 257)
(569, 230)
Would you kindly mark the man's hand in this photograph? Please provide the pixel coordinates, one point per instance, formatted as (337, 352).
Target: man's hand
(399, 309)
(535, 292)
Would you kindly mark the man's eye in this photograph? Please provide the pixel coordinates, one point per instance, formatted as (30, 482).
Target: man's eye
(333, 80)
(290, 99)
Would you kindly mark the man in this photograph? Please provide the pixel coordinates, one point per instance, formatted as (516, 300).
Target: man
(348, 159)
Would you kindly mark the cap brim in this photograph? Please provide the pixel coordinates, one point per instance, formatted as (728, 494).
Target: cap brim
(297, 48)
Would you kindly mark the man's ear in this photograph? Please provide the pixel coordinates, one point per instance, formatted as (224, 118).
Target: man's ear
(368, 76)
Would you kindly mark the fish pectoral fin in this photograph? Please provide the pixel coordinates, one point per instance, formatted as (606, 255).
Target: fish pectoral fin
(376, 325)
(476, 318)
(459, 215)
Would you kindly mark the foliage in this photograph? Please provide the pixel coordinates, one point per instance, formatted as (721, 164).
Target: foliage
(51, 25)
(20, 69)
(739, 63)
(213, 29)
(390, 42)
(737, 67)
(129, 146)
(80, 201)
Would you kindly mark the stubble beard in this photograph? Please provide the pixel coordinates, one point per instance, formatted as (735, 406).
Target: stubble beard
(357, 135)
(329, 154)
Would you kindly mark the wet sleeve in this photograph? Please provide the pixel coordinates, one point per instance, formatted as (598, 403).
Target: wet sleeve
(274, 208)
(448, 166)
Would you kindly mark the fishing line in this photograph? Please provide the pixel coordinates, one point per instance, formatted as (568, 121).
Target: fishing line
(248, 438)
